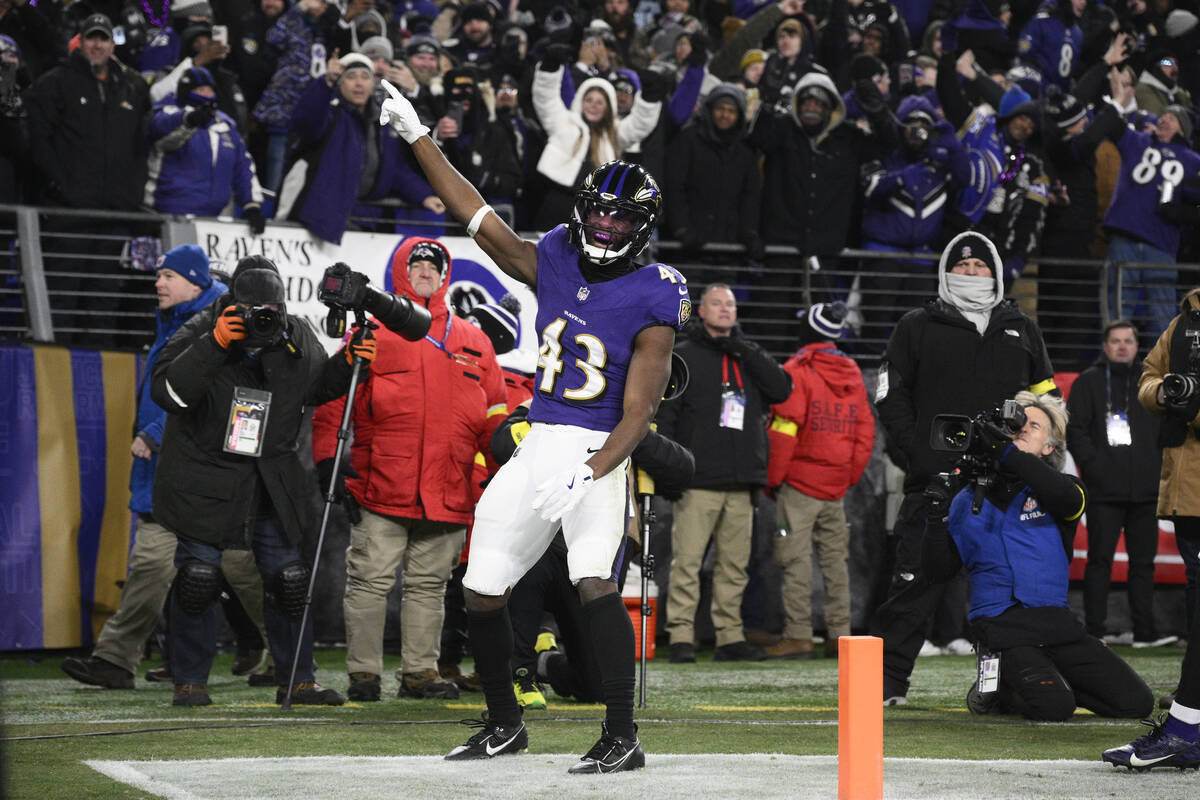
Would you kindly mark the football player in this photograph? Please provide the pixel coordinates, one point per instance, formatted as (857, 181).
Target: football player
(607, 329)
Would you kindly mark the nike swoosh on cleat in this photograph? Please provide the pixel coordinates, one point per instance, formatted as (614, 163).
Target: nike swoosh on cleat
(1134, 761)
(492, 751)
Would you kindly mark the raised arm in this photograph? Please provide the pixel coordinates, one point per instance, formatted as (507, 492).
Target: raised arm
(515, 256)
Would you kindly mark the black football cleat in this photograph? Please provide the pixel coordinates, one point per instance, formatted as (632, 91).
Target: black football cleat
(493, 739)
(611, 754)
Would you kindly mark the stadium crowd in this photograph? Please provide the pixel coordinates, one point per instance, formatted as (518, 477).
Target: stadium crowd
(1059, 129)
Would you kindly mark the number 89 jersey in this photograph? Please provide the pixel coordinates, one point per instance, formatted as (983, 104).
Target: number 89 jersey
(1146, 164)
(587, 332)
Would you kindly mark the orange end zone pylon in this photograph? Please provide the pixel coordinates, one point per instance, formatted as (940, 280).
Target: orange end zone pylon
(860, 718)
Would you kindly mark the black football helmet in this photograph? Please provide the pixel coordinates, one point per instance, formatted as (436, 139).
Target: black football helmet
(627, 193)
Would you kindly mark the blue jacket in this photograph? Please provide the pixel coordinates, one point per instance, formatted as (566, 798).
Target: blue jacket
(323, 181)
(1052, 46)
(906, 198)
(196, 170)
(150, 417)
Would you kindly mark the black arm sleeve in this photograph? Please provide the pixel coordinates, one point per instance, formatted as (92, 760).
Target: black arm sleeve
(954, 102)
(1060, 494)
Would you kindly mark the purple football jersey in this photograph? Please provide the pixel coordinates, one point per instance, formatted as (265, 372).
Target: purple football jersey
(587, 332)
(1146, 164)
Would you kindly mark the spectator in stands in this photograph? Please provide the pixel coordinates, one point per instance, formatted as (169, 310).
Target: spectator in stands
(820, 439)
(751, 69)
(30, 32)
(583, 136)
(811, 169)
(15, 168)
(1016, 216)
(473, 141)
(198, 160)
(429, 408)
(300, 39)
(712, 176)
(721, 418)
(342, 157)
(201, 50)
(254, 59)
(862, 14)
(795, 45)
(163, 49)
(631, 43)
(867, 67)
(526, 139)
(963, 353)
(474, 43)
(1114, 442)
(183, 286)
(86, 120)
(1142, 220)
(422, 54)
(906, 194)
(1052, 41)
(1159, 87)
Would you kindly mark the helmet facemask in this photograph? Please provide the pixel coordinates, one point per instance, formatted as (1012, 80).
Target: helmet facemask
(615, 212)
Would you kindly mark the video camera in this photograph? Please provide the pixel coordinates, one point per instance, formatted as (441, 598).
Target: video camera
(343, 289)
(954, 433)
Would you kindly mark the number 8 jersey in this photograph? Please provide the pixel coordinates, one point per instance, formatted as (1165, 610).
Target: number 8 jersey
(1146, 164)
(587, 332)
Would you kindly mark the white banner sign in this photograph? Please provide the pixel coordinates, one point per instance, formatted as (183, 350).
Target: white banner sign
(302, 260)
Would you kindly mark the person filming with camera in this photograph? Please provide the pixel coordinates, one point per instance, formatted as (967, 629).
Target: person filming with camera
(234, 381)
(1011, 524)
(1170, 386)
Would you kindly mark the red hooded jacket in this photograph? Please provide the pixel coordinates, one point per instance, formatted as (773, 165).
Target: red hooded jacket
(424, 416)
(822, 436)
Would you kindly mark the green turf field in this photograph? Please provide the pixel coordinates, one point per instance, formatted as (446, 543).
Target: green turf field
(53, 724)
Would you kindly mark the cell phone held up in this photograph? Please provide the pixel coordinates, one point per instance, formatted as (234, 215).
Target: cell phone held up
(454, 110)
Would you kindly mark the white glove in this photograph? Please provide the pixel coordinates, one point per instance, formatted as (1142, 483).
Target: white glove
(398, 112)
(563, 492)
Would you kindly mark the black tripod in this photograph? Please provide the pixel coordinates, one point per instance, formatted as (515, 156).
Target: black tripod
(343, 434)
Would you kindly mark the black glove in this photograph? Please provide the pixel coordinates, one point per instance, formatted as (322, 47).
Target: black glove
(938, 495)
(655, 85)
(254, 217)
(755, 249)
(325, 473)
(699, 55)
(555, 56)
(870, 100)
(200, 116)
(735, 346)
(996, 440)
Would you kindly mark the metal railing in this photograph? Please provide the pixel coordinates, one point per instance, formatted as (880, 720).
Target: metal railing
(76, 277)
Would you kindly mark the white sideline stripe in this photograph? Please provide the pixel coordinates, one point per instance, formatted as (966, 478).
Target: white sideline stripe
(123, 772)
(673, 777)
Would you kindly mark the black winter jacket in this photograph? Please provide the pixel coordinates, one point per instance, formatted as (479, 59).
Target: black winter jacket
(1122, 474)
(89, 141)
(725, 457)
(937, 363)
(203, 493)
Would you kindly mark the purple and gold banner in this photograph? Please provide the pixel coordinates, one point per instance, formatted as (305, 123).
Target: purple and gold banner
(66, 422)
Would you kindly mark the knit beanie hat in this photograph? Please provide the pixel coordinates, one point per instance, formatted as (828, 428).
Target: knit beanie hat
(256, 281)
(971, 245)
(189, 261)
(499, 321)
(827, 320)
(429, 251)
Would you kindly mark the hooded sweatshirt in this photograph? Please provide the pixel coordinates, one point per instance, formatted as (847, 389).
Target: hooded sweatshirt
(973, 296)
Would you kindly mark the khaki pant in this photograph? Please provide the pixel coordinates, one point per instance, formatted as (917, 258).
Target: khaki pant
(151, 570)
(726, 518)
(427, 551)
(811, 522)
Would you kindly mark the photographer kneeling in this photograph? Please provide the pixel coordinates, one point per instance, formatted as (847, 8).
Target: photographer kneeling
(1017, 550)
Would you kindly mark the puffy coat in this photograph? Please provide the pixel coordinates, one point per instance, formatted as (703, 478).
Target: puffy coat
(424, 415)
(1179, 485)
(151, 419)
(821, 437)
(568, 134)
(197, 170)
(204, 493)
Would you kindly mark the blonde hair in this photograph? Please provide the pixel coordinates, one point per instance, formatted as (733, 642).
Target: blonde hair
(1056, 411)
(606, 128)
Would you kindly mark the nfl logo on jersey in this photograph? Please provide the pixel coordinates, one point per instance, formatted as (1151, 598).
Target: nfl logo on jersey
(583, 293)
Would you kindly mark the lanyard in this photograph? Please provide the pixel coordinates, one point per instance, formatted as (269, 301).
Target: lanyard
(446, 335)
(737, 373)
(1108, 388)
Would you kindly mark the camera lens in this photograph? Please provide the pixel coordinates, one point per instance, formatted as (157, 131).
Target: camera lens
(263, 325)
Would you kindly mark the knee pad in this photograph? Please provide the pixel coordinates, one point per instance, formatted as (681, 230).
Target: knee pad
(197, 586)
(289, 587)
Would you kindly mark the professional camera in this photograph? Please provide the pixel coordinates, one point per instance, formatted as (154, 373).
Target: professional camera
(343, 289)
(264, 325)
(1179, 389)
(953, 433)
